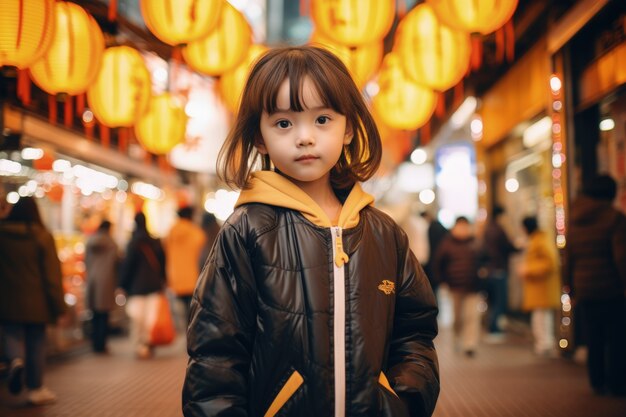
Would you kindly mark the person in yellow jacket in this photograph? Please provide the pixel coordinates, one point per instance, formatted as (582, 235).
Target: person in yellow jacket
(540, 274)
(183, 246)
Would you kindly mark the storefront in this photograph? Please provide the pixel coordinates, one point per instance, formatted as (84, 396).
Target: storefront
(78, 183)
(516, 151)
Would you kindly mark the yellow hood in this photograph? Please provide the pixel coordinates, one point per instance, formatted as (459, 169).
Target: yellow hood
(271, 188)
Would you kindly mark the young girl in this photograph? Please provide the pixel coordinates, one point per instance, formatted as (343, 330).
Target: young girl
(310, 303)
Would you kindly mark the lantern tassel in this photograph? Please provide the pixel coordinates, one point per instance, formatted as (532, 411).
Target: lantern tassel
(459, 93)
(425, 134)
(148, 158)
(68, 111)
(122, 139)
(304, 8)
(105, 135)
(500, 45)
(80, 105)
(476, 56)
(52, 109)
(510, 40)
(440, 109)
(89, 127)
(112, 13)
(401, 8)
(23, 86)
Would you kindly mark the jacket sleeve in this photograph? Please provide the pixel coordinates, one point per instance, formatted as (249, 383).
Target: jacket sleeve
(221, 332)
(413, 365)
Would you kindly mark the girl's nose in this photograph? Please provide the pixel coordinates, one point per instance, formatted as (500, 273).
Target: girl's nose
(305, 138)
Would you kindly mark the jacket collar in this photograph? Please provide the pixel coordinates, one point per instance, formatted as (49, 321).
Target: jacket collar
(271, 188)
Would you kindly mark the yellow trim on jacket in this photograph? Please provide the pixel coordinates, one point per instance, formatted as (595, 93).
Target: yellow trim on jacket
(271, 188)
(286, 392)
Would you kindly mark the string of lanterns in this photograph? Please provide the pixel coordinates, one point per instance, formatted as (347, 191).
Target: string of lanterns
(64, 50)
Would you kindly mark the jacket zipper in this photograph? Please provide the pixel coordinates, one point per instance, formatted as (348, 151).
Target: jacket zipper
(339, 321)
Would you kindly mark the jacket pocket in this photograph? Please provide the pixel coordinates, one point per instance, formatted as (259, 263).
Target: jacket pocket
(382, 380)
(291, 386)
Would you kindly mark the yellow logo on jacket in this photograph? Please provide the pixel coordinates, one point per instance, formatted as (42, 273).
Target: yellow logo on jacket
(387, 287)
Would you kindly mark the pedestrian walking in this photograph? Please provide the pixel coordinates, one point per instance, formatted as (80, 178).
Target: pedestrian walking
(311, 303)
(183, 246)
(102, 266)
(436, 234)
(540, 274)
(143, 279)
(595, 272)
(31, 297)
(456, 265)
(497, 249)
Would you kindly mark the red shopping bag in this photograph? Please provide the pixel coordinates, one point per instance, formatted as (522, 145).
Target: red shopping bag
(163, 331)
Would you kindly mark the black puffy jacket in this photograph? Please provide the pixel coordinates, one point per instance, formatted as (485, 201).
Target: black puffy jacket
(271, 332)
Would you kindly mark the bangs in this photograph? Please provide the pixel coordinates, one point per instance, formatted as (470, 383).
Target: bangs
(296, 67)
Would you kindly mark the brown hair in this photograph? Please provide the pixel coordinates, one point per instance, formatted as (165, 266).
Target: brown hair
(359, 160)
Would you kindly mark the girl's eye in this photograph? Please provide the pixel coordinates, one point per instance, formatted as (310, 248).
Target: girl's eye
(323, 120)
(283, 124)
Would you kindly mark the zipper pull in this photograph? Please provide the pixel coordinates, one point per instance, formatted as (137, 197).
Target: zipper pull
(340, 256)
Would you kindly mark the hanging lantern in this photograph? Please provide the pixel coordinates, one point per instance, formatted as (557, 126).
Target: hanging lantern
(483, 16)
(362, 61)
(71, 63)
(396, 145)
(432, 54)
(177, 22)
(162, 126)
(232, 83)
(222, 49)
(122, 88)
(26, 30)
(348, 24)
(401, 103)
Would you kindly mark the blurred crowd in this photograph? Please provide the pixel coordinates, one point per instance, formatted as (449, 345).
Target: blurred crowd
(468, 270)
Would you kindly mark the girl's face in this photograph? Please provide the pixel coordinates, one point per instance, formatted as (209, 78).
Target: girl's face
(306, 145)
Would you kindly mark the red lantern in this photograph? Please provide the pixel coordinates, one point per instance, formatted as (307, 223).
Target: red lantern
(432, 54)
(122, 89)
(222, 49)
(402, 103)
(177, 22)
(26, 31)
(162, 126)
(231, 84)
(483, 16)
(348, 24)
(71, 63)
(362, 61)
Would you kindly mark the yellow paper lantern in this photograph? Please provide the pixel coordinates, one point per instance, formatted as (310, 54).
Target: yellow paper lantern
(350, 24)
(26, 30)
(362, 61)
(483, 16)
(401, 103)
(222, 49)
(177, 22)
(433, 54)
(122, 88)
(71, 63)
(162, 126)
(232, 83)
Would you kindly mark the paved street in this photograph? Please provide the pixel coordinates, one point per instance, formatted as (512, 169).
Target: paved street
(502, 380)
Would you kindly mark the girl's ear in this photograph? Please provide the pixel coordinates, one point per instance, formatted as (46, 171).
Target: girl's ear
(259, 144)
(347, 137)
